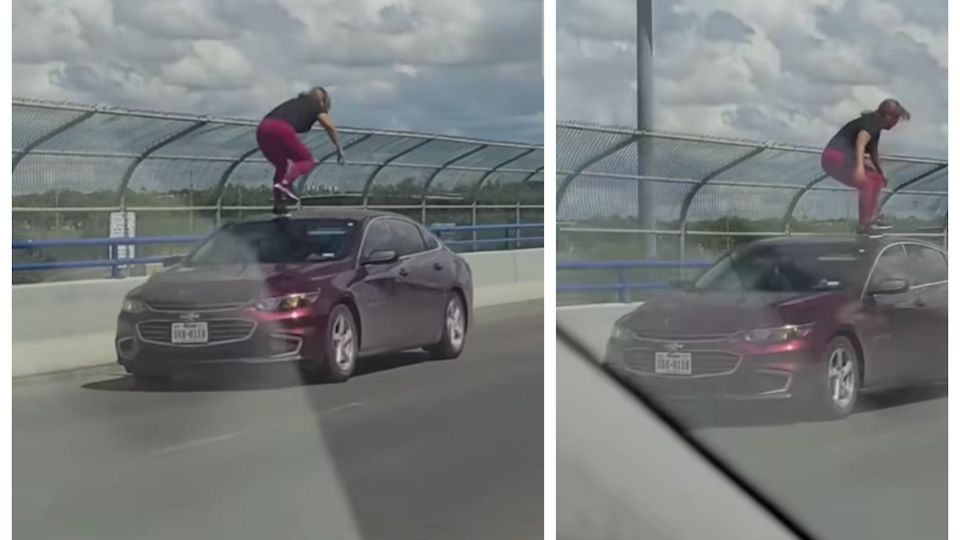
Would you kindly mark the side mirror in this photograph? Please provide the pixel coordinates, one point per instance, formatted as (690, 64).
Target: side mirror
(380, 257)
(172, 261)
(889, 286)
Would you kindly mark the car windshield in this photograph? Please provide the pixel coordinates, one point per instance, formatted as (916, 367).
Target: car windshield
(277, 241)
(806, 268)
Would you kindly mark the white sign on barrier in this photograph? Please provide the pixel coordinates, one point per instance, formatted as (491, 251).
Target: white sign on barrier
(123, 225)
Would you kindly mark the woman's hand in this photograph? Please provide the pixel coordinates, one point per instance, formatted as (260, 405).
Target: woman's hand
(860, 175)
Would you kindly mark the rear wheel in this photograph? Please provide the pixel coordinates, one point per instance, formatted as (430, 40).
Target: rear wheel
(341, 348)
(836, 389)
(454, 330)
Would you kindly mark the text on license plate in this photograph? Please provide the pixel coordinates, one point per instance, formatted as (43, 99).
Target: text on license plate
(673, 363)
(194, 332)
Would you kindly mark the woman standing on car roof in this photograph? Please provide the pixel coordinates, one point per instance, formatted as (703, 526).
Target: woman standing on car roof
(279, 143)
(845, 159)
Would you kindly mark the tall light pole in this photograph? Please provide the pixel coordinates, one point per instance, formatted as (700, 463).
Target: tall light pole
(644, 63)
(645, 205)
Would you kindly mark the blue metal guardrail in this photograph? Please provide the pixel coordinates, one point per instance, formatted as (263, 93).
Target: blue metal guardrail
(115, 263)
(622, 286)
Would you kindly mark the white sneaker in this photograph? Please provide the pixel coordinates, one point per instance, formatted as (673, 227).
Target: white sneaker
(287, 191)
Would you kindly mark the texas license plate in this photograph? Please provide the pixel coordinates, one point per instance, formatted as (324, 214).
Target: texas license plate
(673, 363)
(194, 332)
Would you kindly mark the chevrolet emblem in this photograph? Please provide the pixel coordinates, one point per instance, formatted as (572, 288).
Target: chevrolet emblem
(190, 316)
(674, 347)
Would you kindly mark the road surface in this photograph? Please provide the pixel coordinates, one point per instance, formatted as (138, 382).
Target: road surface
(407, 449)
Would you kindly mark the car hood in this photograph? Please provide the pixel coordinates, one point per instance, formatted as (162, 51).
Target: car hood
(235, 283)
(711, 312)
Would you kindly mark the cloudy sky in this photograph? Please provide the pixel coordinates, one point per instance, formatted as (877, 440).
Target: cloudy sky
(469, 67)
(786, 70)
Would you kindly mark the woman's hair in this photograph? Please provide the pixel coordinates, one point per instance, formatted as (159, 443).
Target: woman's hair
(890, 107)
(325, 99)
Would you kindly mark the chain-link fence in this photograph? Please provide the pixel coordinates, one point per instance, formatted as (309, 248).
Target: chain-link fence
(75, 165)
(634, 195)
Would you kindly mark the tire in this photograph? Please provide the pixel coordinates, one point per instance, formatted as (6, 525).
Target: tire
(341, 348)
(840, 365)
(454, 334)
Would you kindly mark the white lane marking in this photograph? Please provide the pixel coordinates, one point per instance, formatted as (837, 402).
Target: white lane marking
(345, 406)
(191, 444)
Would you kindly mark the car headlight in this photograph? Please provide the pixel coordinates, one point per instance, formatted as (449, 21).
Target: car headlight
(779, 334)
(289, 302)
(619, 333)
(131, 305)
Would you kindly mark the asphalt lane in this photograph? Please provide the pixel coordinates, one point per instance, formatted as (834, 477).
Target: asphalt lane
(880, 474)
(409, 448)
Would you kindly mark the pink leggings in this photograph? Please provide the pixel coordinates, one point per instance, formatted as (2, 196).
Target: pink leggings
(280, 145)
(840, 166)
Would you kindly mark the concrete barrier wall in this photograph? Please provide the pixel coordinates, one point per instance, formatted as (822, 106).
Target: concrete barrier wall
(70, 325)
(592, 324)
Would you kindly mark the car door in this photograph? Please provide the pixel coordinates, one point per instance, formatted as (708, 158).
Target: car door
(887, 320)
(928, 267)
(378, 291)
(423, 309)
(442, 276)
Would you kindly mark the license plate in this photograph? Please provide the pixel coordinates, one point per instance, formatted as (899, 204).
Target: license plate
(194, 332)
(673, 363)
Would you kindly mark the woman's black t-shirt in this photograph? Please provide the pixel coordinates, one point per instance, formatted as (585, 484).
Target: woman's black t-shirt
(299, 112)
(846, 138)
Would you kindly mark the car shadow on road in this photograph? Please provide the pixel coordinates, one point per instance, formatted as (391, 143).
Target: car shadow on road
(705, 416)
(251, 378)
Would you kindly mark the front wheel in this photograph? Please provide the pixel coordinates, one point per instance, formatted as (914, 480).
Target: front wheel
(454, 330)
(837, 386)
(341, 348)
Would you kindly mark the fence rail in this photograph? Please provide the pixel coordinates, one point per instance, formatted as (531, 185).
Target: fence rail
(658, 177)
(114, 262)
(623, 287)
(117, 154)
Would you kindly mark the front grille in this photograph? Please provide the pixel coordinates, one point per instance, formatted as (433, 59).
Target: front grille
(183, 307)
(702, 362)
(218, 331)
(666, 335)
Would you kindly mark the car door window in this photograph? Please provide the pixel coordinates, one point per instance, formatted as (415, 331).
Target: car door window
(379, 237)
(927, 265)
(407, 238)
(892, 264)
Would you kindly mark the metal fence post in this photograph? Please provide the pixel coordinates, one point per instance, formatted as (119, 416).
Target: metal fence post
(683, 243)
(622, 294)
(473, 223)
(517, 230)
(115, 248)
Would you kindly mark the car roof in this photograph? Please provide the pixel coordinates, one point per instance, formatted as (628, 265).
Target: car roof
(328, 212)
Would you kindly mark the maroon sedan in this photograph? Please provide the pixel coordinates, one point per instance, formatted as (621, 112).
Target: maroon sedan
(813, 320)
(322, 288)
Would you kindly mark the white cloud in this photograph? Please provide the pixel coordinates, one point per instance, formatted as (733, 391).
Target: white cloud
(212, 64)
(472, 67)
(781, 70)
(174, 19)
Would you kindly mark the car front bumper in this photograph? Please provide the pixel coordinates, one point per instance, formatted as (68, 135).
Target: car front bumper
(141, 341)
(778, 374)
